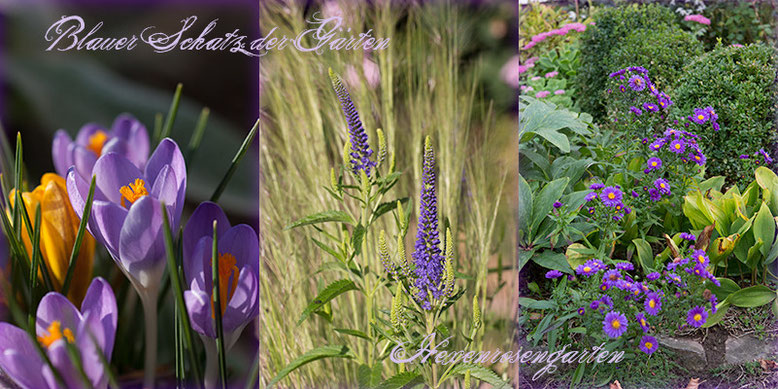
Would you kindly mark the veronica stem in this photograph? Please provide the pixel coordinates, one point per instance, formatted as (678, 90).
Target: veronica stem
(149, 301)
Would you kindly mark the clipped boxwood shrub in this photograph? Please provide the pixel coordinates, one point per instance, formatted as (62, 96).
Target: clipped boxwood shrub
(612, 26)
(738, 82)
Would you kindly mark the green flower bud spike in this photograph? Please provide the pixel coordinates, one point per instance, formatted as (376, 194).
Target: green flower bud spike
(347, 155)
(467, 379)
(392, 163)
(365, 181)
(383, 254)
(334, 182)
(449, 275)
(476, 313)
(401, 216)
(396, 314)
(405, 267)
(381, 145)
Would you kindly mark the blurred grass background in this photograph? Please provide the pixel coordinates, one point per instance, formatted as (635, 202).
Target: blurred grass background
(439, 77)
(46, 91)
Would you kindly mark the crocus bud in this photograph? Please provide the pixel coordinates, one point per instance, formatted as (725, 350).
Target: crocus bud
(347, 155)
(476, 312)
(381, 145)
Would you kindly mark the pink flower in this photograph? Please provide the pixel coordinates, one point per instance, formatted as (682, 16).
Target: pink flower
(511, 70)
(552, 74)
(532, 60)
(736, 45)
(591, 23)
(697, 18)
(535, 78)
(529, 46)
(559, 92)
(580, 27)
(522, 69)
(542, 94)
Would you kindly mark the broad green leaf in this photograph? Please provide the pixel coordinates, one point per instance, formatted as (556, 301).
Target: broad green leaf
(722, 247)
(577, 254)
(525, 208)
(721, 309)
(753, 296)
(545, 120)
(402, 380)
(713, 183)
(330, 292)
(536, 304)
(369, 377)
(358, 334)
(544, 201)
(768, 181)
(524, 257)
(310, 356)
(727, 288)
(764, 228)
(553, 261)
(480, 372)
(645, 255)
(322, 217)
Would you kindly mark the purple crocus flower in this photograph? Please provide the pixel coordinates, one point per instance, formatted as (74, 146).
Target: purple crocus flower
(427, 254)
(238, 267)
(360, 149)
(91, 331)
(127, 137)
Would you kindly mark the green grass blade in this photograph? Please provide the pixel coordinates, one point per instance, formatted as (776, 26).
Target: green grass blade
(36, 248)
(112, 382)
(197, 135)
(253, 374)
(25, 216)
(179, 292)
(158, 118)
(235, 160)
(75, 359)
(171, 114)
(42, 353)
(18, 186)
(218, 309)
(79, 237)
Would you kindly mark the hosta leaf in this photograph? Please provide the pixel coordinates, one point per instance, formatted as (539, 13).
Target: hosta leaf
(310, 356)
(322, 217)
(753, 296)
(764, 228)
(727, 288)
(327, 294)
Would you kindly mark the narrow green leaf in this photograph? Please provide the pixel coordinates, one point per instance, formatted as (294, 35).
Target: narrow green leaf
(322, 217)
(357, 333)
(197, 136)
(356, 239)
(402, 380)
(480, 372)
(36, 249)
(310, 356)
(79, 237)
(234, 164)
(217, 308)
(171, 114)
(330, 292)
(536, 304)
(386, 207)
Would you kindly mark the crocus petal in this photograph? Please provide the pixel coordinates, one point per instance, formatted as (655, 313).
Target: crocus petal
(84, 160)
(243, 304)
(86, 131)
(19, 358)
(167, 153)
(165, 190)
(201, 224)
(100, 305)
(106, 223)
(113, 172)
(199, 308)
(58, 355)
(242, 242)
(55, 307)
(134, 133)
(59, 152)
(118, 146)
(141, 244)
(198, 265)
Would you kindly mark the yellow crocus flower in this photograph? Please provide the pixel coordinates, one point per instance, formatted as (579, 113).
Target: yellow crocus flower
(58, 235)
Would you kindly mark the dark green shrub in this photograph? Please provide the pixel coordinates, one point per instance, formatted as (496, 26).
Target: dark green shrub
(613, 25)
(739, 83)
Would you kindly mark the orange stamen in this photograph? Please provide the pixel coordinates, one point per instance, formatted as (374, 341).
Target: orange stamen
(227, 268)
(55, 334)
(97, 141)
(133, 191)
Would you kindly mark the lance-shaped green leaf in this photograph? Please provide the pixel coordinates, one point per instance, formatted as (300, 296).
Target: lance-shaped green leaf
(332, 290)
(322, 217)
(402, 380)
(764, 228)
(727, 288)
(753, 296)
(768, 181)
(480, 372)
(310, 356)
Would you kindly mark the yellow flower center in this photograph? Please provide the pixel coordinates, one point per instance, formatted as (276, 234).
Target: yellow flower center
(587, 269)
(96, 142)
(662, 185)
(649, 345)
(637, 292)
(55, 334)
(697, 157)
(616, 324)
(697, 317)
(638, 81)
(653, 163)
(227, 268)
(700, 117)
(133, 191)
(643, 322)
(611, 196)
(701, 259)
(677, 146)
(662, 104)
(651, 303)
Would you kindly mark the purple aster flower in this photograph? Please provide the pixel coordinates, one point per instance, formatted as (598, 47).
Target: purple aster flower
(663, 102)
(714, 280)
(91, 331)
(641, 319)
(653, 303)
(557, 204)
(599, 265)
(591, 196)
(622, 88)
(636, 110)
(127, 137)
(654, 195)
(711, 113)
(605, 299)
(700, 257)
(644, 141)
(698, 158)
(653, 163)
(615, 324)
(617, 73)
(716, 126)
(744, 156)
(648, 344)
(662, 186)
(604, 286)
(635, 194)
(700, 116)
(637, 83)
(553, 274)
(590, 210)
(360, 149)
(687, 236)
(611, 196)
(657, 144)
(650, 107)
(696, 316)
(675, 279)
(587, 269)
(766, 156)
(713, 301)
(611, 277)
(677, 146)
(238, 268)
(594, 304)
(596, 186)
(427, 254)
(652, 89)
(699, 270)
(653, 276)
(624, 266)
(581, 311)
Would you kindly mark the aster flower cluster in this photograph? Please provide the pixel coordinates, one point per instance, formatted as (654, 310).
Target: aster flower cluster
(759, 158)
(701, 116)
(606, 207)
